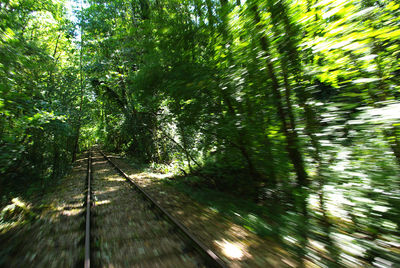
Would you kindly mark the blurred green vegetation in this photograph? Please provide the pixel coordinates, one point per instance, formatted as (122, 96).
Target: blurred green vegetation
(288, 111)
(40, 99)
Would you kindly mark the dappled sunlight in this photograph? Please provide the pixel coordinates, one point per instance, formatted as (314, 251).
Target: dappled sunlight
(142, 175)
(232, 250)
(101, 171)
(72, 208)
(129, 231)
(14, 214)
(72, 212)
(204, 216)
(63, 206)
(102, 202)
(317, 245)
(237, 232)
(108, 189)
(160, 175)
(51, 232)
(113, 178)
(335, 203)
(78, 197)
(116, 179)
(152, 175)
(179, 212)
(143, 178)
(271, 129)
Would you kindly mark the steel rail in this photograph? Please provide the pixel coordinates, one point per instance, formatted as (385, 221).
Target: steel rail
(88, 205)
(212, 258)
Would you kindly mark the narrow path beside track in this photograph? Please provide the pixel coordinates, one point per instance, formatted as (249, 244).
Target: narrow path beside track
(54, 238)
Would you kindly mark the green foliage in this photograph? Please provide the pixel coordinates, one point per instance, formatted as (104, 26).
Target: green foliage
(242, 212)
(38, 97)
(15, 212)
(267, 100)
(261, 99)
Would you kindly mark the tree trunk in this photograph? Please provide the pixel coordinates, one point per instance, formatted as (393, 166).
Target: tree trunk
(289, 131)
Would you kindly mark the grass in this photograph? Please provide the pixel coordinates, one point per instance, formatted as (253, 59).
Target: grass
(240, 211)
(264, 220)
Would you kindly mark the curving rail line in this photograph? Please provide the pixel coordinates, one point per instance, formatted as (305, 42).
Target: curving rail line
(209, 258)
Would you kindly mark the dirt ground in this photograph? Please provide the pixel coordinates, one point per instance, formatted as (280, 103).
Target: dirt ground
(237, 246)
(54, 237)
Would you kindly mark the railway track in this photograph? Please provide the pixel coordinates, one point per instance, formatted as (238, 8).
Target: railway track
(125, 227)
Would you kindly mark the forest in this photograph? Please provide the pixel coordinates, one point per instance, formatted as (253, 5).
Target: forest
(289, 108)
